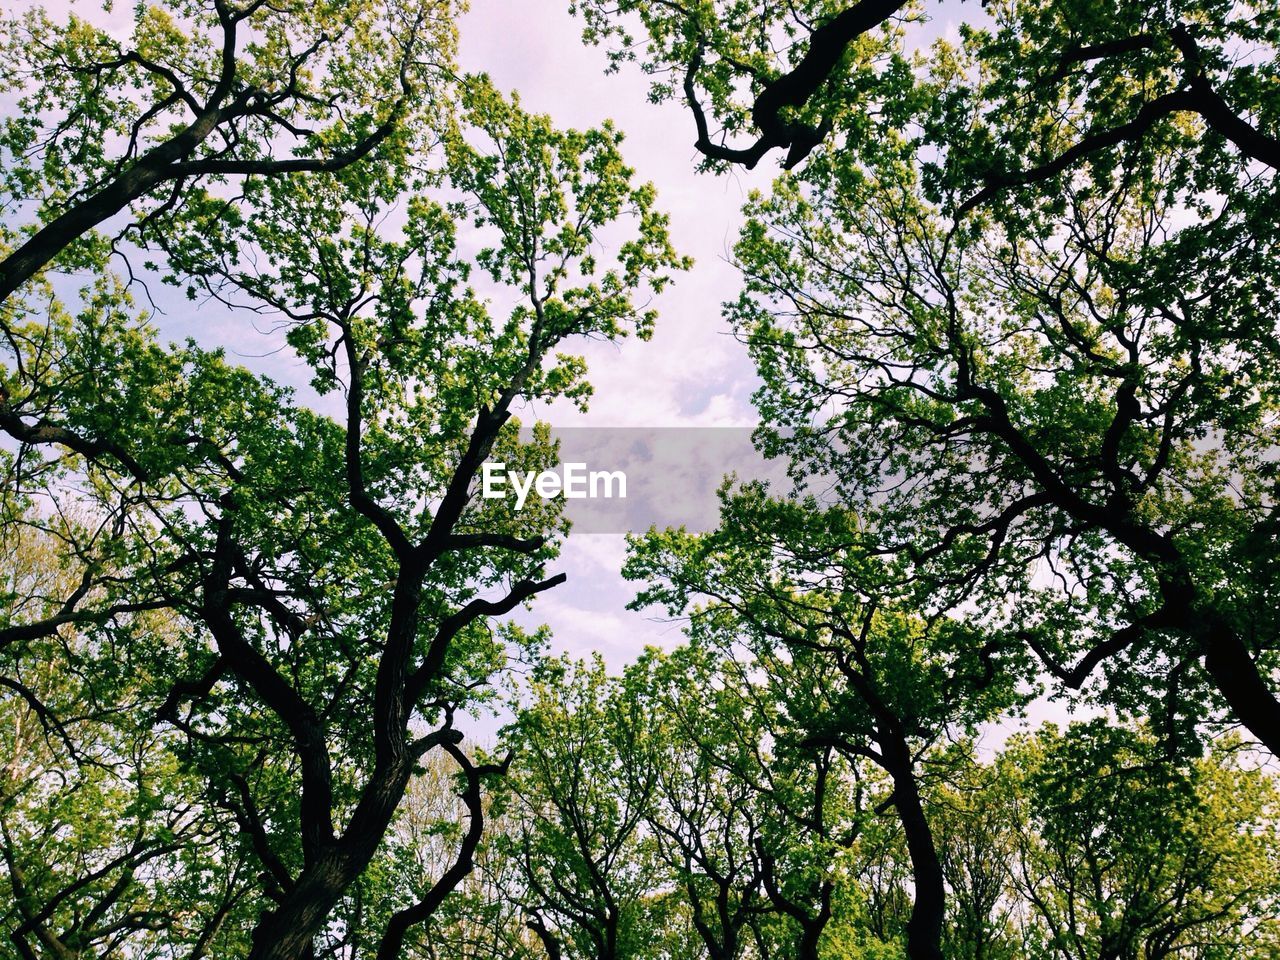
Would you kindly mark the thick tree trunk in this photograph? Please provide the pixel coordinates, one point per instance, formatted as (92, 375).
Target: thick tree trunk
(720, 944)
(287, 933)
(550, 943)
(1236, 675)
(1227, 659)
(928, 912)
(807, 945)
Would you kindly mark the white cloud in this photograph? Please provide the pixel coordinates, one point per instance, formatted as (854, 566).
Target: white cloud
(534, 48)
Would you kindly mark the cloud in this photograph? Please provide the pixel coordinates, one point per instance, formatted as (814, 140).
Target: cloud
(535, 48)
(693, 373)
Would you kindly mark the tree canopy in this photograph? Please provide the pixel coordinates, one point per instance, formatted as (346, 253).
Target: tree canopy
(1011, 306)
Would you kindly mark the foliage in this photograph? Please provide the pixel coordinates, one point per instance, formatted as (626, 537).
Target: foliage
(326, 580)
(1064, 421)
(197, 91)
(1120, 851)
(1012, 307)
(1088, 841)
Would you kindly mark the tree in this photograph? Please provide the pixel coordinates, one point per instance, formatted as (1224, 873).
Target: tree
(1074, 391)
(719, 49)
(456, 903)
(1089, 842)
(750, 846)
(792, 586)
(971, 819)
(583, 793)
(1123, 852)
(334, 577)
(107, 845)
(202, 91)
(1059, 83)
(705, 816)
(985, 183)
(812, 807)
(758, 825)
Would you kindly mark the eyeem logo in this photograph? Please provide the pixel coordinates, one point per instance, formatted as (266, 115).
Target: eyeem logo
(576, 483)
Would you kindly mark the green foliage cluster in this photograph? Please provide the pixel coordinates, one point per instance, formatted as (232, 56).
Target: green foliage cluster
(240, 627)
(681, 810)
(1012, 305)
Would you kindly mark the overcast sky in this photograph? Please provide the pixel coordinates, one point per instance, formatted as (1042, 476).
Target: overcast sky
(692, 373)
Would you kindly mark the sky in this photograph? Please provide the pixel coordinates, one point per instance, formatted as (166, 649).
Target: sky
(692, 373)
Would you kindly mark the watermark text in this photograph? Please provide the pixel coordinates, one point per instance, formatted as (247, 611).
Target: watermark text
(573, 482)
